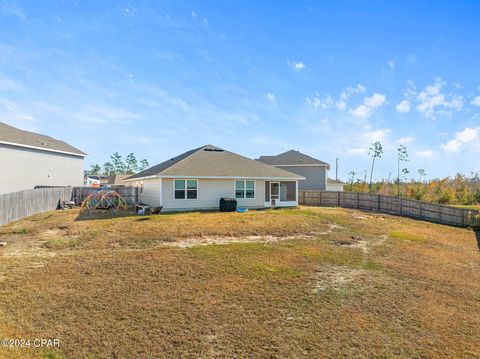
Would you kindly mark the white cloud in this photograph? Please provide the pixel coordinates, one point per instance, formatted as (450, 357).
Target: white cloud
(357, 151)
(369, 103)
(194, 14)
(403, 106)
(377, 135)
(467, 135)
(431, 100)
(272, 98)
(405, 140)
(391, 63)
(316, 102)
(361, 111)
(411, 59)
(426, 153)
(296, 65)
(476, 101)
(461, 140)
(374, 101)
(341, 104)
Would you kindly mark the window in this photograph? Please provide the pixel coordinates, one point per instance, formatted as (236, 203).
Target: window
(186, 189)
(288, 191)
(244, 189)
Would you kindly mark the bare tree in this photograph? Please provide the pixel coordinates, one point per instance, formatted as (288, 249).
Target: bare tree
(402, 156)
(352, 178)
(405, 172)
(422, 173)
(375, 151)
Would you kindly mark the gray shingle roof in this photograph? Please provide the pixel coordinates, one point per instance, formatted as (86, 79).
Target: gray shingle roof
(291, 157)
(212, 161)
(331, 180)
(16, 136)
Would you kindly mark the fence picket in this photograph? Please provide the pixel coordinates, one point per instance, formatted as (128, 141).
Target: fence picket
(17, 205)
(431, 212)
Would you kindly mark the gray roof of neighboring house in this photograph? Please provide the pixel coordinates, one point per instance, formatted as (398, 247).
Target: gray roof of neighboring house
(291, 157)
(117, 179)
(211, 161)
(330, 180)
(19, 137)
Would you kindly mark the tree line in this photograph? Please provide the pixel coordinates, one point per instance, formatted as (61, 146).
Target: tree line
(461, 189)
(117, 165)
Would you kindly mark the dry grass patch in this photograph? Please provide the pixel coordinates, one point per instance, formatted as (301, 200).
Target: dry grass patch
(307, 282)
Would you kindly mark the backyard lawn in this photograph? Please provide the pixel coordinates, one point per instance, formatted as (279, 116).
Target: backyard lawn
(306, 282)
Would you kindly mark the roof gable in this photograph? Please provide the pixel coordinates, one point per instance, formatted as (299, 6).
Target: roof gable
(15, 136)
(212, 161)
(291, 158)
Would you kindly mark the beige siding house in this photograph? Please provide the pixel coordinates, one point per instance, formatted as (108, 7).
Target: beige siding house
(29, 159)
(197, 179)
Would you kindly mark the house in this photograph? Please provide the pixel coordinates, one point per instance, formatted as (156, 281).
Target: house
(29, 159)
(197, 179)
(335, 185)
(314, 171)
(117, 179)
(96, 181)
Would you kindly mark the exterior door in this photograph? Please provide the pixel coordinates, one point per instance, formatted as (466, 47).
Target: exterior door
(274, 192)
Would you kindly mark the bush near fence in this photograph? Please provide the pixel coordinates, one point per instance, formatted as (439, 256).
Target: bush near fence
(431, 212)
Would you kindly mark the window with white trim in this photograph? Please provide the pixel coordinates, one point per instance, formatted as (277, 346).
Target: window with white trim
(244, 189)
(186, 189)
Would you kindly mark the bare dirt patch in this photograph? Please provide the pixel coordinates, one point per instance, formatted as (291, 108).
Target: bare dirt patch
(339, 277)
(306, 282)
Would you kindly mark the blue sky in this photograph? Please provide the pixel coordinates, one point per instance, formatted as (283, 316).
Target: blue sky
(255, 77)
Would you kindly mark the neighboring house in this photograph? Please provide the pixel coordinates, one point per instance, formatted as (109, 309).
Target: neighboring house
(117, 179)
(29, 159)
(335, 185)
(197, 179)
(92, 181)
(96, 181)
(314, 171)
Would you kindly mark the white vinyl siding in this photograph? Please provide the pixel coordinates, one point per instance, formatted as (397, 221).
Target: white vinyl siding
(209, 193)
(158, 192)
(151, 192)
(24, 168)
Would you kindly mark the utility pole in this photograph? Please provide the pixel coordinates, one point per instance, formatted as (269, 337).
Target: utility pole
(336, 169)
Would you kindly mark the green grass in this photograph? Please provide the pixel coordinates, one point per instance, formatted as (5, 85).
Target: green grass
(469, 206)
(369, 265)
(406, 236)
(61, 243)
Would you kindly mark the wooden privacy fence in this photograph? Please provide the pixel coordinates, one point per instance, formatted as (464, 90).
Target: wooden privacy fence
(431, 212)
(130, 194)
(17, 205)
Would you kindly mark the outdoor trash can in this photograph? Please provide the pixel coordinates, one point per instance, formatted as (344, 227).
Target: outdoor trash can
(228, 204)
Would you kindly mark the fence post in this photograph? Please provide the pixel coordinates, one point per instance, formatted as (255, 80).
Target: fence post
(378, 203)
(320, 198)
(338, 199)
